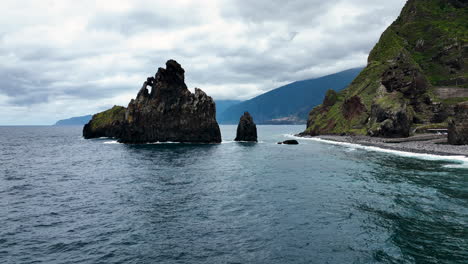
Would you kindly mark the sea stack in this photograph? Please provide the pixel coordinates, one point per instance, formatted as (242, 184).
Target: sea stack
(458, 126)
(169, 112)
(246, 130)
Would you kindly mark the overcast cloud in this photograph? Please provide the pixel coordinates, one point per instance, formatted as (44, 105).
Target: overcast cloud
(60, 58)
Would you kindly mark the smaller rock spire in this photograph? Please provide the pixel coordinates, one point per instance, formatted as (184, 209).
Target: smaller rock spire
(246, 130)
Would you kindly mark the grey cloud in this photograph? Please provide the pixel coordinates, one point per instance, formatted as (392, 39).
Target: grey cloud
(294, 11)
(21, 87)
(140, 20)
(38, 72)
(93, 91)
(26, 88)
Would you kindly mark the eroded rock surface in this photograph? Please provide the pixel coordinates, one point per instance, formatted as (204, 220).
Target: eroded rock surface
(169, 112)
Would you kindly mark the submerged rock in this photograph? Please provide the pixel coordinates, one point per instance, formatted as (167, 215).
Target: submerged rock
(170, 112)
(246, 130)
(458, 126)
(289, 142)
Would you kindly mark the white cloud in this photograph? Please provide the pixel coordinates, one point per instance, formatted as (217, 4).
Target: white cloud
(66, 58)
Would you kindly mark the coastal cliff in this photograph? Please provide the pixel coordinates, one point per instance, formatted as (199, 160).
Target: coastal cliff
(415, 76)
(169, 112)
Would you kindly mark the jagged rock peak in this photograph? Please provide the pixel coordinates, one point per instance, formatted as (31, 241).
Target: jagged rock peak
(169, 113)
(247, 129)
(169, 81)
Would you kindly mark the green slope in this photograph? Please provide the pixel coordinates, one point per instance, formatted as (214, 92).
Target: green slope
(425, 48)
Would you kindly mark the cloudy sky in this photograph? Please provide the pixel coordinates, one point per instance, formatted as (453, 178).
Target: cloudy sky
(60, 58)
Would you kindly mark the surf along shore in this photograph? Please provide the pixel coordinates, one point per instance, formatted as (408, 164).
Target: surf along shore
(423, 144)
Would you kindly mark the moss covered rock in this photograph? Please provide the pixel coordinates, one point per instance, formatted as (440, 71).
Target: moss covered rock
(105, 124)
(330, 98)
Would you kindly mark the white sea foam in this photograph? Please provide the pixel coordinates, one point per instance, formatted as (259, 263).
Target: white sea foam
(457, 166)
(111, 142)
(162, 143)
(151, 143)
(233, 141)
(461, 160)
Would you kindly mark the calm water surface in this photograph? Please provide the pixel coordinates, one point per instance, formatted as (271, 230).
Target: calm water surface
(64, 199)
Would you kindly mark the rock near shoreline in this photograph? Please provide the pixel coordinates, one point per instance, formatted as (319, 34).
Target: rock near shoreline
(458, 126)
(169, 112)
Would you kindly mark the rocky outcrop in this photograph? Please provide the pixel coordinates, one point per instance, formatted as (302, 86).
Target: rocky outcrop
(458, 126)
(404, 77)
(246, 130)
(353, 107)
(169, 112)
(289, 142)
(390, 123)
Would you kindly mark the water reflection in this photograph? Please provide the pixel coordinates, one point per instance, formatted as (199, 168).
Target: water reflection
(421, 204)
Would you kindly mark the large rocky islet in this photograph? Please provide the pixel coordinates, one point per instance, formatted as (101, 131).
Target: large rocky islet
(167, 112)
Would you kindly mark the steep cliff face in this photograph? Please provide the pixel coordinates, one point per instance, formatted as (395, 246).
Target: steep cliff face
(425, 50)
(169, 112)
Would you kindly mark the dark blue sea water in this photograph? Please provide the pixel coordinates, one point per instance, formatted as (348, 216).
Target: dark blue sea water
(64, 199)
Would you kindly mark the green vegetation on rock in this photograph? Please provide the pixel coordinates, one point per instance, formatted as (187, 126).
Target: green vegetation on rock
(426, 47)
(106, 118)
(105, 124)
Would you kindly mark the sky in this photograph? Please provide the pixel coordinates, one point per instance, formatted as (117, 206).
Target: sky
(60, 58)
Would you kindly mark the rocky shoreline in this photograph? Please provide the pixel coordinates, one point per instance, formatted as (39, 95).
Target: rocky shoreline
(423, 144)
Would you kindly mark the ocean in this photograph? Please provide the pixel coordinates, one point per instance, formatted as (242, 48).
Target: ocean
(64, 199)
